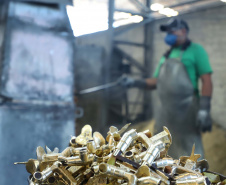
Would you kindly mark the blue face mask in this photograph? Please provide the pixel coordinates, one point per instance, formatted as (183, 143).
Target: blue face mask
(171, 39)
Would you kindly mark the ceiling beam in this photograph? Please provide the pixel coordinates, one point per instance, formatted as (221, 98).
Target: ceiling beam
(132, 26)
(130, 43)
(141, 5)
(184, 3)
(131, 12)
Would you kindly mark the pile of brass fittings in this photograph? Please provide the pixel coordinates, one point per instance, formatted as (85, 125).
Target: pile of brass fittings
(130, 158)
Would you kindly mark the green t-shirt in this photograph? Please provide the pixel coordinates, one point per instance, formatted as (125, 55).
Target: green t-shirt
(195, 60)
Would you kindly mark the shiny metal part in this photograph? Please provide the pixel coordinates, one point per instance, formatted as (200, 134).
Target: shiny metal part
(117, 172)
(198, 181)
(149, 181)
(164, 162)
(83, 159)
(91, 146)
(86, 135)
(153, 152)
(162, 177)
(125, 142)
(68, 152)
(176, 169)
(40, 152)
(193, 157)
(187, 176)
(32, 166)
(124, 128)
(114, 134)
(138, 158)
(31, 182)
(163, 136)
(98, 139)
(73, 141)
(143, 171)
(42, 176)
(144, 139)
(133, 159)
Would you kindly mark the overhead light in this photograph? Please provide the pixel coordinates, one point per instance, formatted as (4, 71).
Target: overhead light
(131, 19)
(121, 15)
(136, 19)
(156, 7)
(168, 12)
(223, 1)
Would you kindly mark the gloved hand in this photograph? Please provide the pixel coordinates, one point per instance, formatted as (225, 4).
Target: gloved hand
(204, 121)
(128, 82)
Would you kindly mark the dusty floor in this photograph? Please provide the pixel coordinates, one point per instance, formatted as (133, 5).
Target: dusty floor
(214, 145)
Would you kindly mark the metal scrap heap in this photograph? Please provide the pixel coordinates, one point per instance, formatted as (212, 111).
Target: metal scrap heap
(130, 158)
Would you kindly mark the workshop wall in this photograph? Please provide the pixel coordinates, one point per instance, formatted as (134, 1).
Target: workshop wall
(207, 28)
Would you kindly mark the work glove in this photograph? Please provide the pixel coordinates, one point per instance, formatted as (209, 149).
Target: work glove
(204, 121)
(129, 82)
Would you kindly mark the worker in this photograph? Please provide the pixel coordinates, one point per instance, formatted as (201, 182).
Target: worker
(184, 110)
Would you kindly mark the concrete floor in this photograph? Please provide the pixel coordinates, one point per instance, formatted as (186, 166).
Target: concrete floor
(214, 145)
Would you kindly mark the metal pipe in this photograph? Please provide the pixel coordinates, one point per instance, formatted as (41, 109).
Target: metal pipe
(153, 152)
(180, 169)
(187, 176)
(164, 162)
(117, 172)
(69, 151)
(125, 142)
(42, 176)
(198, 181)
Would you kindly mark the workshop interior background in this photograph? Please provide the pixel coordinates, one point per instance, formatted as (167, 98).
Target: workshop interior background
(50, 50)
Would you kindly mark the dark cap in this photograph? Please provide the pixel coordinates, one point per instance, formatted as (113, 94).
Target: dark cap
(174, 24)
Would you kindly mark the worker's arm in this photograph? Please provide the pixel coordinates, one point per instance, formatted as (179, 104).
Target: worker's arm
(204, 121)
(151, 83)
(129, 82)
(207, 87)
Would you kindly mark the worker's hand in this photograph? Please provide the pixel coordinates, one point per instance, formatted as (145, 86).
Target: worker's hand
(126, 81)
(204, 121)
